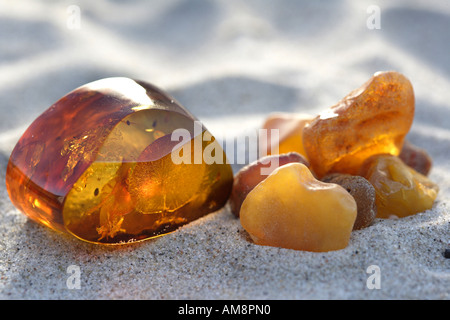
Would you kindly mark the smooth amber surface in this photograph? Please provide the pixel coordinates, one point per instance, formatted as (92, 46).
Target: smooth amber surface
(372, 119)
(400, 190)
(97, 164)
(291, 209)
(252, 174)
(290, 132)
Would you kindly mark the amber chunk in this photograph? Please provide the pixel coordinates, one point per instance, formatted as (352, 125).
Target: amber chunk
(291, 209)
(400, 190)
(372, 119)
(98, 164)
(415, 157)
(364, 194)
(252, 174)
(290, 132)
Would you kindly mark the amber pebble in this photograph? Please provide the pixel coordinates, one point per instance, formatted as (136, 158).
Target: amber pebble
(372, 119)
(400, 190)
(252, 174)
(290, 132)
(291, 209)
(415, 157)
(97, 164)
(363, 193)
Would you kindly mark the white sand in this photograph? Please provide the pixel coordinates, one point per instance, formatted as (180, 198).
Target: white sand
(230, 63)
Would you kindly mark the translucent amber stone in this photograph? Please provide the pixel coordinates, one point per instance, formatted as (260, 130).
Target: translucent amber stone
(98, 164)
(290, 132)
(372, 119)
(400, 190)
(291, 209)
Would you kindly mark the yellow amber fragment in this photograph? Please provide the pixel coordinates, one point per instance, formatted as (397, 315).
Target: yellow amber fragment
(372, 119)
(291, 209)
(290, 132)
(252, 174)
(400, 190)
(98, 164)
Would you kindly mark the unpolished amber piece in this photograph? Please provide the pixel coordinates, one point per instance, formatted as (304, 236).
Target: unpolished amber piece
(415, 157)
(400, 190)
(364, 194)
(372, 119)
(290, 132)
(252, 174)
(98, 164)
(291, 209)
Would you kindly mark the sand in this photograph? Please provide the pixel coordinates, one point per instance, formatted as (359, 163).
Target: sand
(231, 63)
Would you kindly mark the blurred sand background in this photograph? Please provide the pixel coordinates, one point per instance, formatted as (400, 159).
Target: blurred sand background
(231, 63)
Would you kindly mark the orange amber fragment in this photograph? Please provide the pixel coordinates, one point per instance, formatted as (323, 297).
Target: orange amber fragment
(400, 190)
(291, 209)
(372, 119)
(98, 164)
(290, 132)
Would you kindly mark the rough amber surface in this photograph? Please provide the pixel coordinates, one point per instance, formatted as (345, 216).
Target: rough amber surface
(291, 209)
(290, 132)
(364, 194)
(415, 157)
(372, 119)
(97, 164)
(400, 190)
(252, 174)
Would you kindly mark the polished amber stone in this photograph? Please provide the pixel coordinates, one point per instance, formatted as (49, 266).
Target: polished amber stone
(372, 119)
(98, 164)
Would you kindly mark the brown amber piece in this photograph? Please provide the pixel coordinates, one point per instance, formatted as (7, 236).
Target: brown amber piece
(291, 209)
(98, 164)
(252, 174)
(400, 190)
(372, 119)
(290, 133)
(415, 157)
(364, 194)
